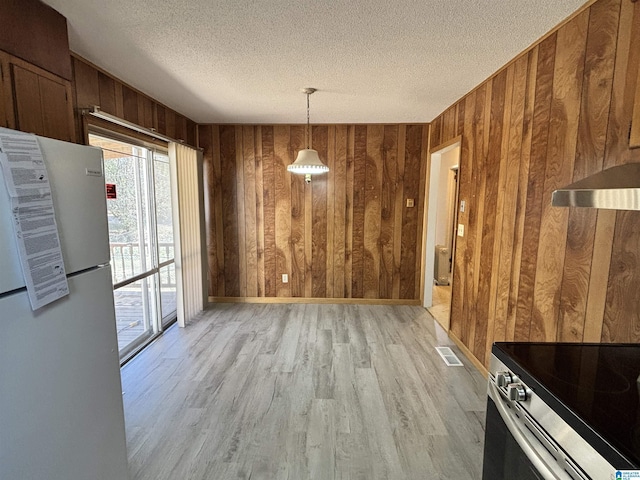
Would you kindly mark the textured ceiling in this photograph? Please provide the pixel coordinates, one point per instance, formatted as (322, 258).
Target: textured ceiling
(245, 61)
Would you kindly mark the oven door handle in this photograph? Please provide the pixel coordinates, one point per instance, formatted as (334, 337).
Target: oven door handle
(528, 449)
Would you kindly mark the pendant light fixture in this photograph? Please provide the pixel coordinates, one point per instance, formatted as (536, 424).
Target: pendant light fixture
(307, 162)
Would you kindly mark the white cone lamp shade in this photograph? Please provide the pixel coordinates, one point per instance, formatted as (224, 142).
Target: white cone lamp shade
(308, 162)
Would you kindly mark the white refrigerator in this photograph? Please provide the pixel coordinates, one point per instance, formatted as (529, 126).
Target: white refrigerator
(61, 410)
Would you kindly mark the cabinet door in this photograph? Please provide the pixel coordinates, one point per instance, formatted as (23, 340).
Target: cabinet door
(26, 93)
(42, 103)
(55, 103)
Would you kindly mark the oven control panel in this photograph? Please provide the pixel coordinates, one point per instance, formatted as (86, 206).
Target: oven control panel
(511, 386)
(556, 450)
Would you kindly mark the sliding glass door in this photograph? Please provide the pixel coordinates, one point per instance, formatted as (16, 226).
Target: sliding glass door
(140, 238)
(164, 226)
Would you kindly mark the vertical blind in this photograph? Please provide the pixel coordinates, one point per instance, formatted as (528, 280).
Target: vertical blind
(187, 201)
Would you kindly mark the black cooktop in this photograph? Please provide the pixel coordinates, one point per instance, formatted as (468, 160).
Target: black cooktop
(593, 387)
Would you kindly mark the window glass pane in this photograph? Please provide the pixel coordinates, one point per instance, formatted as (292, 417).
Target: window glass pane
(127, 210)
(168, 291)
(164, 219)
(145, 200)
(134, 313)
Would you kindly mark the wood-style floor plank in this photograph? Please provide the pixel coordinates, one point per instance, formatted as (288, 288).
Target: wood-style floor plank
(303, 392)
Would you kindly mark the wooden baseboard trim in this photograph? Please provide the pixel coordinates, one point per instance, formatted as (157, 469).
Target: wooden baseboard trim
(347, 301)
(467, 353)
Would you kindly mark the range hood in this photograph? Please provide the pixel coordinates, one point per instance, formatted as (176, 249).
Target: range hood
(616, 188)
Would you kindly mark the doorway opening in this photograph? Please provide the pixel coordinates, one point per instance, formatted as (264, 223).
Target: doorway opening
(441, 231)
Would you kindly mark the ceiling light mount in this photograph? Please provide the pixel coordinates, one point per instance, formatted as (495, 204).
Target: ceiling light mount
(308, 162)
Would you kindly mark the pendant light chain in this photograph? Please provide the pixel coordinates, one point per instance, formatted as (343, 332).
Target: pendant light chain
(308, 146)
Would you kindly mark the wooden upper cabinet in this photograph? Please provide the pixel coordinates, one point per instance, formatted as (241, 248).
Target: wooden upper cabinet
(634, 139)
(39, 102)
(36, 33)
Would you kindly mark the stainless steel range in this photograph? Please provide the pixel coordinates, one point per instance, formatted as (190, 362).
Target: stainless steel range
(563, 411)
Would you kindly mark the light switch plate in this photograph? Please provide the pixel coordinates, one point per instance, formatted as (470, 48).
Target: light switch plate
(460, 230)
(285, 278)
(463, 204)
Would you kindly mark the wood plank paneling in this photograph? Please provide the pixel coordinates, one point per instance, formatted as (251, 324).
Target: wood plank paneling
(463, 290)
(95, 87)
(170, 123)
(320, 139)
(87, 85)
(340, 210)
(592, 134)
(398, 209)
(119, 98)
(556, 274)
(476, 208)
(513, 139)
(387, 209)
(359, 178)
(411, 224)
(501, 107)
(348, 248)
(533, 208)
(561, 152)
(229, 211)
(130, 105)
(521, 201)
(218, 222)
(436, 131)
(621, 317)
(298, 221)
(634, 136)
(624, 77)
(491, 222)
(421, 215)
(205, 134)
(269, 205)
(251, 240)
(597, 294)
(161, 119)
(331, 210)
(240, 211)
(281, 139)
(342, 236)
(372, 213)
(107, 87)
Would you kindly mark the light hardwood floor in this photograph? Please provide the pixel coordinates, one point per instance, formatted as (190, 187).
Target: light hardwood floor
(303, 392)
(441, 305)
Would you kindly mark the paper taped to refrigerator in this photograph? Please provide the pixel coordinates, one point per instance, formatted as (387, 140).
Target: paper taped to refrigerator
(34, 220)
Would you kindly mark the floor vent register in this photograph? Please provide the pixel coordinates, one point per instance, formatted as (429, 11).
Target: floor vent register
(449, 357)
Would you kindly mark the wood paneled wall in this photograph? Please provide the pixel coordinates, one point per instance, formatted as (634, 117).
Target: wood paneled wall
(94, 87)
(525, 270)
(348, 234)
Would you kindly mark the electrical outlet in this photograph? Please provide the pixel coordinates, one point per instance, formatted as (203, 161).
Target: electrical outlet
(410, 202)
(460, 230)
(285, 278)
